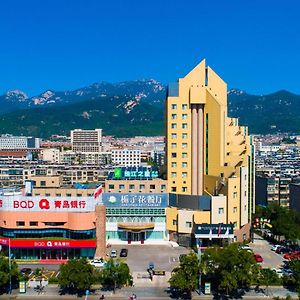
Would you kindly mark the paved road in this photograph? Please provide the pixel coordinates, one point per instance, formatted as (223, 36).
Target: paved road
(263, 247)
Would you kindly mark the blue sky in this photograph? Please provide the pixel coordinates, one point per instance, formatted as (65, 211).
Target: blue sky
(62, 45)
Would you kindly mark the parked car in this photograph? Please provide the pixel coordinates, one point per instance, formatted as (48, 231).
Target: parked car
(123, 252)
(98, 263)
(275, 247)
(283, 250)
(291, 255)
(245, 247)
(113, 253)
(258, 258)
(279, 272)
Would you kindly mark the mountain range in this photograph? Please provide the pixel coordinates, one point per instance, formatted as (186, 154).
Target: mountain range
(133, 108)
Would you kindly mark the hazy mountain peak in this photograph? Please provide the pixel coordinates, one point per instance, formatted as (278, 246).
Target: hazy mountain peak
(16, 95)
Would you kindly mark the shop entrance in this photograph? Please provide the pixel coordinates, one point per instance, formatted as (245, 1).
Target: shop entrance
(136, 236)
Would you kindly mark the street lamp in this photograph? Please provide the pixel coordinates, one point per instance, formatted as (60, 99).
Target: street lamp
(199, 255)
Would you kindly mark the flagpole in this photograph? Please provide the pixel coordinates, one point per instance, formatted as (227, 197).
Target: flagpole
(9, 265)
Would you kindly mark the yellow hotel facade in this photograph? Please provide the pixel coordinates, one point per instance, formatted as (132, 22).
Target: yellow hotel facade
(210, 162)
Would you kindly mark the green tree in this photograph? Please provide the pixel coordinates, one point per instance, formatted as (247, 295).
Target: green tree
(5, 273)
(186, 276)
(76, 275)
(115, 274)
(229, 269)
(295, 279)
(284, 221)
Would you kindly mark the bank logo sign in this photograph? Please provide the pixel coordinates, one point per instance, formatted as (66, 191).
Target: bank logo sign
(57, 204)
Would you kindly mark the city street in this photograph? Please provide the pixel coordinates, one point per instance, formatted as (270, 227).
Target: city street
(263, 247)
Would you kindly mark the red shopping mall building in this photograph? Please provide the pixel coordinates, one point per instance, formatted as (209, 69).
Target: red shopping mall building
(52, 228)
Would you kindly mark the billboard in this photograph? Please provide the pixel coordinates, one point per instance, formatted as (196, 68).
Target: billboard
(134, 173)
(53, 204)
(135, 200)
(48, 243)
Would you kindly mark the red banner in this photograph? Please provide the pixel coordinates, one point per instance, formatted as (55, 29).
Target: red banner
(36, 243)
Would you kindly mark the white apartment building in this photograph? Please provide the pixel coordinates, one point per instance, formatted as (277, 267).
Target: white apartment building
(8, 141)
(126, 157)
(50, 155)
(84, 141)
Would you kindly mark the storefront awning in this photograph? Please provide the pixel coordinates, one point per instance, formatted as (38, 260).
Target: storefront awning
(136, 226)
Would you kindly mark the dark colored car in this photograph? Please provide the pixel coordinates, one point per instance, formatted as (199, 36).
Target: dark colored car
(283, 250)
(26, 271)
(123, 252)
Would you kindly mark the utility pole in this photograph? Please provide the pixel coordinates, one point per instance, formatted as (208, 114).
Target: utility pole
(199, 255)
(9, 265)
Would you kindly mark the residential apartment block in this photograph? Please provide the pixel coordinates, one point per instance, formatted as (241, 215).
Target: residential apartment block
(86, 140)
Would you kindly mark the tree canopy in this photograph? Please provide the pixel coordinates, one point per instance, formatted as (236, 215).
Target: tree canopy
(285, 222)
(115, 274)
(230, 268)
(5, 272)
(185, 277)
(76, 275)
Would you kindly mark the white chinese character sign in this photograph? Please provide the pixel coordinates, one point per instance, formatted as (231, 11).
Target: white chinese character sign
(135, 200)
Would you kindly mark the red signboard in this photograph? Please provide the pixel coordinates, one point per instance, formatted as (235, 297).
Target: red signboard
(29, 243)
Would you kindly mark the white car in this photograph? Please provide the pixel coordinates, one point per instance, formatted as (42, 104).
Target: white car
(98, 263)
(246, 247)
(275, 247)
(113, 253)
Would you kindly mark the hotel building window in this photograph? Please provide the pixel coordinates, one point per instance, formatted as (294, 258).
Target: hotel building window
(174, 116)
(221, 210)
(173, 145)
(121, 187)
(173, 135)
(174, 106)
(184, 164)
(184, 145)
(174, 155)
(131, 186)
(173, 125)
(184, 135)
(184, 189)
(184, 174)
(184, 126)
(184, 116)
(184, 155)
(173, 164)
(173, 174)
(173, 189)
(184, 106)
(142, 186)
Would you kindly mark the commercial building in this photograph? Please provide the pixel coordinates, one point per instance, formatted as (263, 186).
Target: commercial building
(86, 140)
(52, 227)
(136, 202)
(11, 142)
(208, 155)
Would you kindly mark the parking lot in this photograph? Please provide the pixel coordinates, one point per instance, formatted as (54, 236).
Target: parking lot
(164, 257)
(263, 247)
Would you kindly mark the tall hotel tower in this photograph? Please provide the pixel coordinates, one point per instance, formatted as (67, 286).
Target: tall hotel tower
(210, 161)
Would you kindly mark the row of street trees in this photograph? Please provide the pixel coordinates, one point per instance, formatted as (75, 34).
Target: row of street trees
(230, 270)
(78, 275)
(285, 222)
